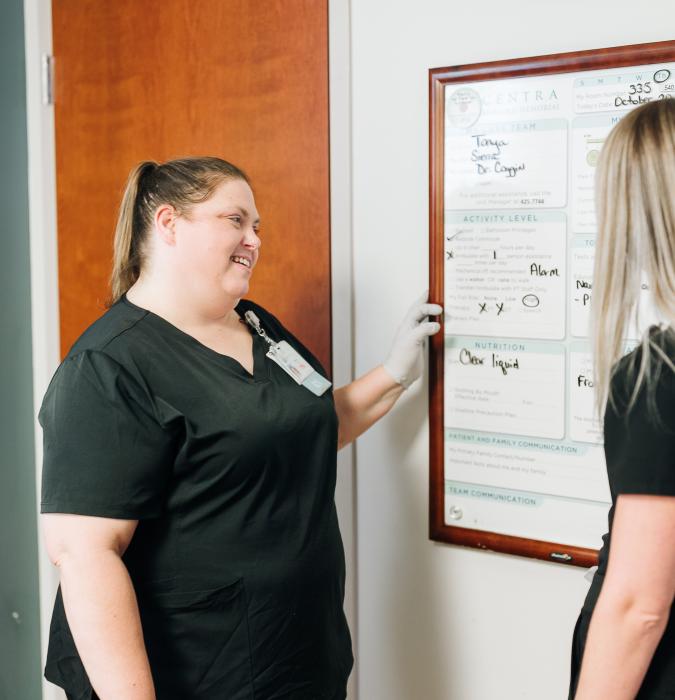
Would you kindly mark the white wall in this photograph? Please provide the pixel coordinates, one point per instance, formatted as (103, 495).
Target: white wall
(434, 621)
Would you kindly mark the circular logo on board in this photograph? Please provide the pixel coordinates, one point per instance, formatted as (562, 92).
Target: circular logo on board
(463, 108)
(592, 157)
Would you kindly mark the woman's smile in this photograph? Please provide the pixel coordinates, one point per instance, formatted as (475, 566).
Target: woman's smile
(242, 260)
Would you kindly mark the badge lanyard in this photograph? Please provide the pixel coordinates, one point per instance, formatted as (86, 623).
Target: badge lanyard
(289, 359)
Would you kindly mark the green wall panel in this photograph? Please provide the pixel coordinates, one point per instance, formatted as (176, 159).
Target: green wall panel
(20, 672)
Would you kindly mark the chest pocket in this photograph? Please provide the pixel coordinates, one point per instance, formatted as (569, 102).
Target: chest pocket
(198, 643)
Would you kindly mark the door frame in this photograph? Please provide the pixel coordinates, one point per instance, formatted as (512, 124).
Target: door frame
(342, 285)
(43, 271)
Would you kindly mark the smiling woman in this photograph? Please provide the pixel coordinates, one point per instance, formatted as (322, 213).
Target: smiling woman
(188, 480)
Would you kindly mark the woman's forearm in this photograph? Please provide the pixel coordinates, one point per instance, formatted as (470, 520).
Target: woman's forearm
(102, 613)
(622, 637)
(363, 402)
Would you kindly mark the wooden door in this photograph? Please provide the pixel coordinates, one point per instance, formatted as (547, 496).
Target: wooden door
(241, 79)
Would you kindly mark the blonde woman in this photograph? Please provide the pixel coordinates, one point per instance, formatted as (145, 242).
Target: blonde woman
(188, 479)
(624, 640)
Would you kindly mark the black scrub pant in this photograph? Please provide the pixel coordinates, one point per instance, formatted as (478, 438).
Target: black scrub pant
(577, 654)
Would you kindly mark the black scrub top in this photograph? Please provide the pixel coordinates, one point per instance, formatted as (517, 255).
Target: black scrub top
(237, 560)
(640, 456)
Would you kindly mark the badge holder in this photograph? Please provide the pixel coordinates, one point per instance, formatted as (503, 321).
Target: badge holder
(290, 360)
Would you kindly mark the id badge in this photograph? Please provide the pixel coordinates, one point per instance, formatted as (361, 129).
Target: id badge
(294, 364)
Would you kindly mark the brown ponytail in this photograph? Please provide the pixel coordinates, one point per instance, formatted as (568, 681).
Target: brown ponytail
(126, 246)
(181, 183)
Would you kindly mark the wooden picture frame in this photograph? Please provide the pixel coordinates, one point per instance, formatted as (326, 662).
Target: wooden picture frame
(481, 77)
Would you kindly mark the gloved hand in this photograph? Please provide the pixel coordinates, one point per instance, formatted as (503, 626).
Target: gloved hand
(405, 362)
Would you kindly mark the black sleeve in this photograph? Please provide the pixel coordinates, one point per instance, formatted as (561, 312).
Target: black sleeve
(105, 453)
(640, 443)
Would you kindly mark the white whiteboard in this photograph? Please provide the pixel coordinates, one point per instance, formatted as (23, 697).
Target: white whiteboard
(523, 452)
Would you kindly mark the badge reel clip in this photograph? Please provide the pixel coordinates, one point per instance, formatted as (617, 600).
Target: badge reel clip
(290, 360)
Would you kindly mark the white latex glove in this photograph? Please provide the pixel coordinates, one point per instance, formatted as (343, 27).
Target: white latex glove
(406, 362)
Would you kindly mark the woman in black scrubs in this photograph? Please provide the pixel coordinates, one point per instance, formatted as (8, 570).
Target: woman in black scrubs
(188, 479)
(624, 640)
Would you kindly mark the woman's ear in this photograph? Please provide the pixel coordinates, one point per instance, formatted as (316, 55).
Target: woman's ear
(165, 223)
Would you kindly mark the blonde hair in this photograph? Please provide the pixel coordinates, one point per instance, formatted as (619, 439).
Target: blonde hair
(635, 244)
(181, 183)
